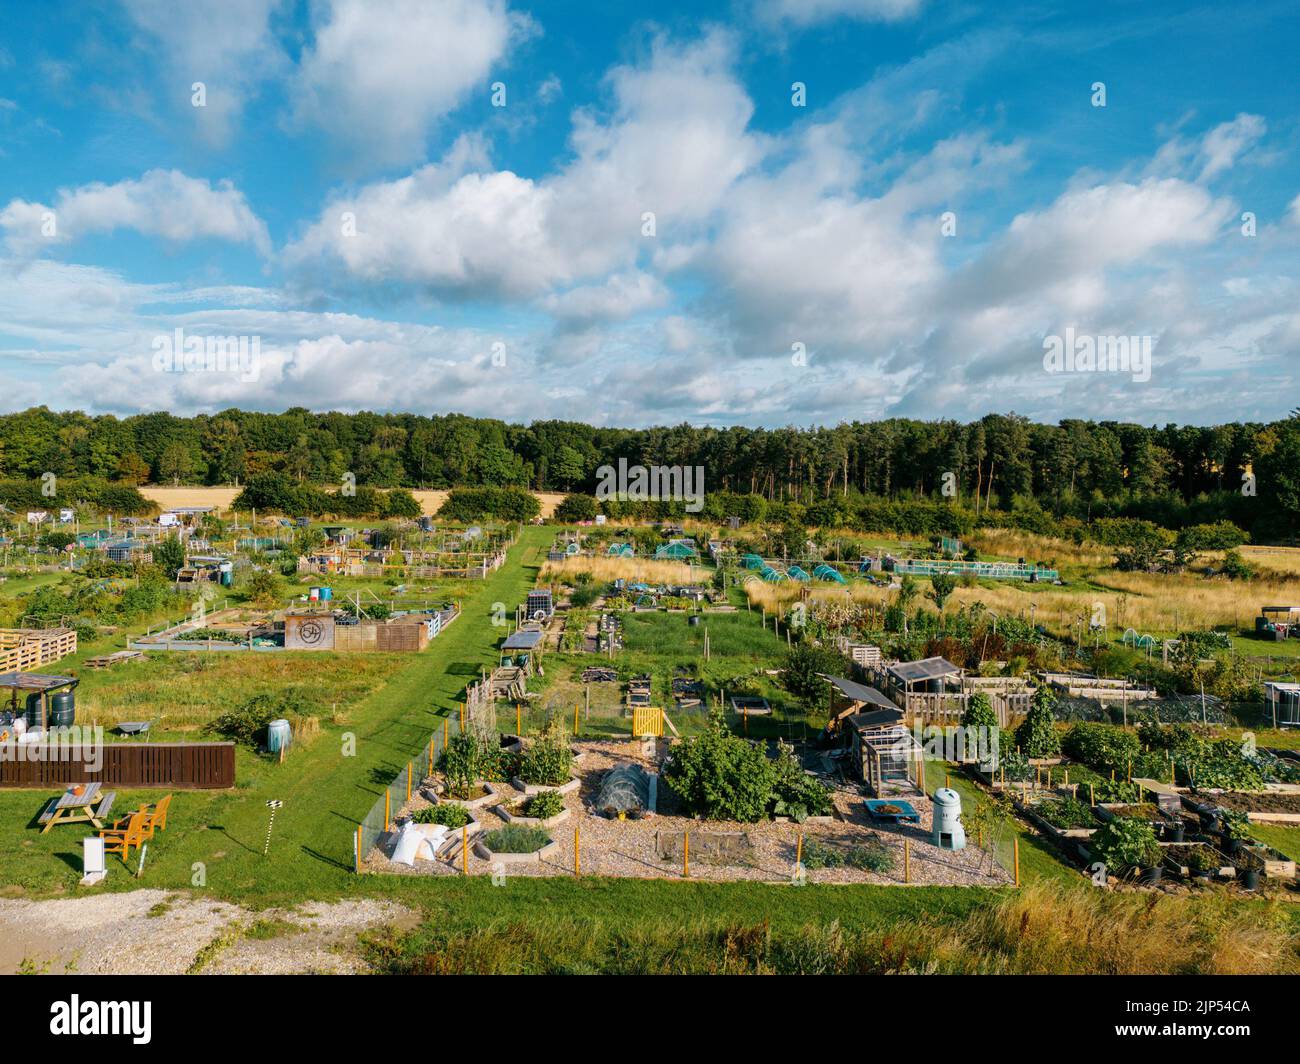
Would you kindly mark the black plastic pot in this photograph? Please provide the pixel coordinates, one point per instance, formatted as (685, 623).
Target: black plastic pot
(1250, 878)
(1149, 877)
(1236, 845)
(1174, 832)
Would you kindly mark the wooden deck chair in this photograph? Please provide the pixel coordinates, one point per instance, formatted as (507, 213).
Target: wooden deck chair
(119, 840)
(155, 816)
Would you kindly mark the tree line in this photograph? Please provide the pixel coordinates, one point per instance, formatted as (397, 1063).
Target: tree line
(1248, 473)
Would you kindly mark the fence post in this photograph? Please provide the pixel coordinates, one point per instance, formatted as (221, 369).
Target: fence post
(686, 855)
(576, 708)
(1015, 848)
(410, 765)
(577, 849)
(358, 861)
(388, 800)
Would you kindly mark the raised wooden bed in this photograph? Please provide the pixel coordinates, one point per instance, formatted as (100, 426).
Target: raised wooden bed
(1225, 870)
(530, 821)
(535, 788)
(492, 793)
(481, 848)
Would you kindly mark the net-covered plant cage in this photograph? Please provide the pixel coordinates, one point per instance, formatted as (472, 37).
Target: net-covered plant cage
(624, 792)
(752, 561)
(799, 574)
(772, 576)
(825, 572)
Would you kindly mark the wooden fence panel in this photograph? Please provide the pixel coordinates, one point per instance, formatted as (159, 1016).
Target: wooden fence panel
(171, 766)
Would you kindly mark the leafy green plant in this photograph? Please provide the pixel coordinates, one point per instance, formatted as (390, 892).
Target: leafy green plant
(871, 857)
(1066, 813)
(1125, 843)
(449, 814)
(544, 804)
(1201, 861)
(465, 760)
(798, 795)
(515, 838)
(1037, 735)
(548, 759)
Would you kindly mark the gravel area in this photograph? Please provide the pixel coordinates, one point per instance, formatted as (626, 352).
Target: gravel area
(627, 848)
(166, 933)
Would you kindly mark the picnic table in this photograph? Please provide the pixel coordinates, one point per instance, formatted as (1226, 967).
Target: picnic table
(88, 807)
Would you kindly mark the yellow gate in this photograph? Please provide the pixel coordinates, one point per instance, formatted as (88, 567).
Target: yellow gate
(647, 720)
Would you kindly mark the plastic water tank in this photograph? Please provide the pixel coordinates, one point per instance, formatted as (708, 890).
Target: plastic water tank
(278, 736)
(63, 709)
(948, 832)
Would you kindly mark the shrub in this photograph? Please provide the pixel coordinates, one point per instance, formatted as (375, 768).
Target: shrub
(247, 723)
(449, 814)
(980, 714)
(1125, 843)
(1103, 747)
(544, 805)
(464, 760)
(722, 776)
(800, 675)
(1066, 813)
(515, 838)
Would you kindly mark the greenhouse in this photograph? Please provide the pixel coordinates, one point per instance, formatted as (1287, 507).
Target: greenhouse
(677, 551)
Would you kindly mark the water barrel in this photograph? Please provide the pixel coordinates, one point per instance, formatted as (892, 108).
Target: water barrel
(326, 594)
(227, 574)
(33, 713)
(63, 709)
(278, 736)
(693, 620)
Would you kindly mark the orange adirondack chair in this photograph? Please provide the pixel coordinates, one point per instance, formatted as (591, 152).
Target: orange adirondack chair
(155, 816)
(119, 840)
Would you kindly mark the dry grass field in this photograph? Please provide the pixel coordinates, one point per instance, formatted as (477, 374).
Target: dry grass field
(1148, 602)
(644, 570)
(222, 498)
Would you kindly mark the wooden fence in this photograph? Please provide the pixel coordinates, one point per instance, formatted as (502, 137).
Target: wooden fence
(170, 766)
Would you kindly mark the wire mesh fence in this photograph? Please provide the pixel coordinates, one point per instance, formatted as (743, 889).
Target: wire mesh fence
(380, 817)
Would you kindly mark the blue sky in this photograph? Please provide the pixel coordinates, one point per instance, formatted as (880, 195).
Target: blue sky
(350, 195)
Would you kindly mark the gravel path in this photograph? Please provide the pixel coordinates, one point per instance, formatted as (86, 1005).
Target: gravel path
(168, 933)
(628, 848)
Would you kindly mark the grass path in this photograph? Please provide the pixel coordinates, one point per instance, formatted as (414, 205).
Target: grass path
(218, 837)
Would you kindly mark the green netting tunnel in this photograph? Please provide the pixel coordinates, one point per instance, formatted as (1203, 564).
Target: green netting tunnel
(675, 550)
(752, 561)
(799, 574)
(772, 576)
(621, 550)
(825, 572)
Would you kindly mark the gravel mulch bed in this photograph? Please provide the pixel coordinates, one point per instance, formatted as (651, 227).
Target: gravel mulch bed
(627, 848)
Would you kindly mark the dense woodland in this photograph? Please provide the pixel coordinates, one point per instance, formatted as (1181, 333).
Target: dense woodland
(1081, 469)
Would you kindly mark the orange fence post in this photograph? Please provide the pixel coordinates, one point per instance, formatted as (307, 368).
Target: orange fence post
(388, 801)
(686, 854)
(798, 851)
(575, 719)
(446, 728)
(519, 718)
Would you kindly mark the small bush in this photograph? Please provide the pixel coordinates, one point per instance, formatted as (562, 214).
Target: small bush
(547, 760)
(1125, 843)
(544, 805)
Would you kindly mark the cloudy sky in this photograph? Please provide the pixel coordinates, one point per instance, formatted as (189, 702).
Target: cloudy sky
(762, 212)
